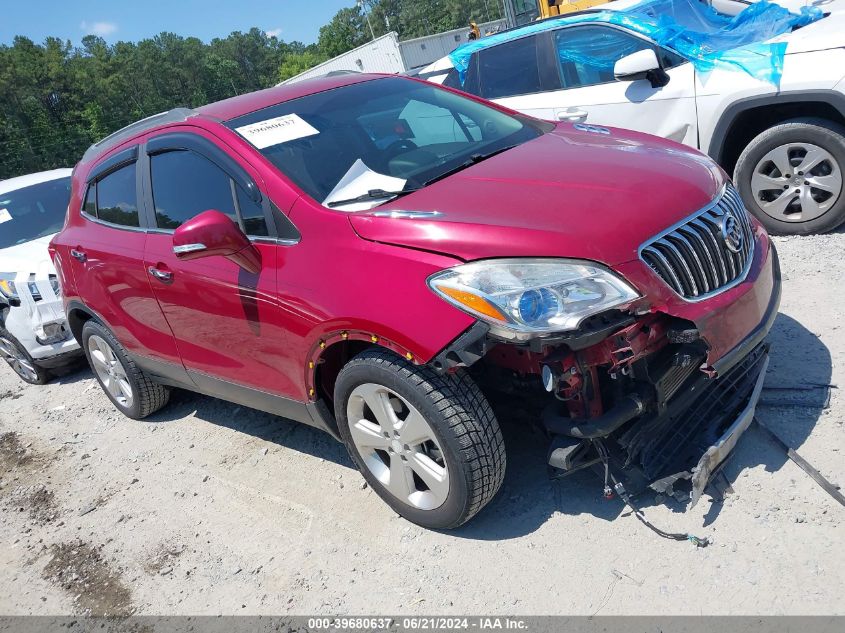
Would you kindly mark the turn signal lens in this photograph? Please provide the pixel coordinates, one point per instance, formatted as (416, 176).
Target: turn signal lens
(474, 303)
(7, 288)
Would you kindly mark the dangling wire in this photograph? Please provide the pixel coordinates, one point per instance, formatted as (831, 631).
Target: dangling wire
(626, 498)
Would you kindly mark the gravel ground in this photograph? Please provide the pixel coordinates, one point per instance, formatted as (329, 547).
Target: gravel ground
(210, 508)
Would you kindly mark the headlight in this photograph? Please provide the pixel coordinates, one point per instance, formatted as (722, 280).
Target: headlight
(7, 285)
(532, 295)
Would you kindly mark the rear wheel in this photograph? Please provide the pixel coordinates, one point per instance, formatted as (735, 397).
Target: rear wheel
(428, 444)
(20, 361)
(791, 177)
(126, 385)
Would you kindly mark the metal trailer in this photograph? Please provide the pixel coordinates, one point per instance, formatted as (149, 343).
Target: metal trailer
(422, 51)
(380, 55)
(386, 54)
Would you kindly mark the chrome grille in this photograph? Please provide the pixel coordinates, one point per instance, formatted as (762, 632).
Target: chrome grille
(695, 258)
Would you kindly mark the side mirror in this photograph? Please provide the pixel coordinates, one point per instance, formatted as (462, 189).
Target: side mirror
(213, 233)
(641, 65)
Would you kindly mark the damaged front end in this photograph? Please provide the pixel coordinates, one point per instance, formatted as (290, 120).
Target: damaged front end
(34, 314)
(632, 393)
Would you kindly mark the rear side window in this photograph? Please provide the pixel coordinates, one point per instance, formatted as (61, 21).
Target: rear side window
(116, 198)
(186, 183)
(510, 69)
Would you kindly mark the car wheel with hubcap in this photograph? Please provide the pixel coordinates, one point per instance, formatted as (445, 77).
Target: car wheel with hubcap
(428, 444)
(126, 385)
(20, 361)
(791, 177)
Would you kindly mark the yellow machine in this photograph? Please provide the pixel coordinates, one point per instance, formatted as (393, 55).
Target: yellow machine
(519, 12)
(549, 8)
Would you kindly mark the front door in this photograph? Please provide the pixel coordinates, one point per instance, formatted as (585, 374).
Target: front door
(225, 320)
(586, 56)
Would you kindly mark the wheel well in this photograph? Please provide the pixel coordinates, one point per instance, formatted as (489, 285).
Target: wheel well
(332, 360)
(76, 319)
(749, 123)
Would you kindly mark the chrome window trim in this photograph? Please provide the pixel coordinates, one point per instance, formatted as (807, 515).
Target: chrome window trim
(112, 225)
(743, 274)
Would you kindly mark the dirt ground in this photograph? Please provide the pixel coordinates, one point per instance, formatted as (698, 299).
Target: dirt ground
(211, 508)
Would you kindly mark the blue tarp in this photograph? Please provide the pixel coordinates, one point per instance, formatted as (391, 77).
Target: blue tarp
(691, 28)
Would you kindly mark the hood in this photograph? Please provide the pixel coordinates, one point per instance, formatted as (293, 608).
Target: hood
(29, 257)
(824, 34)
(578, 191)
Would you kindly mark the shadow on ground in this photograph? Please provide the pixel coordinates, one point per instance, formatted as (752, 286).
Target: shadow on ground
(799, 363)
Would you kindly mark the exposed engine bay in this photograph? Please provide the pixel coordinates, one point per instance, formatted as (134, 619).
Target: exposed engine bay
(632, 397)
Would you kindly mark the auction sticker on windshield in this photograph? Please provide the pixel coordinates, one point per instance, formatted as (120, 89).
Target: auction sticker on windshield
(5, 216)
(275, 131)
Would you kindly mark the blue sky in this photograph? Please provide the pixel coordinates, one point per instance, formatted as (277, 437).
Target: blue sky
(136, 19)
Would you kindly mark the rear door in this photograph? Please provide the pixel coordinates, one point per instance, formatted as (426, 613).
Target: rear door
(107, 259)
(584, 56)
(226, 321)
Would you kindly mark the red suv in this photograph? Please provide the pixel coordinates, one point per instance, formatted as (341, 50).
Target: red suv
(392, 262)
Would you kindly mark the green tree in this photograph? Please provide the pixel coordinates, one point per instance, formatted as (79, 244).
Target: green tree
(345, 31)
(296, 63)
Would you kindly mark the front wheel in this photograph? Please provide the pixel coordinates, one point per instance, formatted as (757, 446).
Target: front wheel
(428, 444)
(791, 177)
(20, 361)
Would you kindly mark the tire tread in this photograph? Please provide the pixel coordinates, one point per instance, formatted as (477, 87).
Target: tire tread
(469, 416)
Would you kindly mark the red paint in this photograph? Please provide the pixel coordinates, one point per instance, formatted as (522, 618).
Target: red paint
(354, 276)
(219, 236)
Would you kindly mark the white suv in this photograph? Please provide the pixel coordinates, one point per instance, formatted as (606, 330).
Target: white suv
(785, 146)
(34, 334)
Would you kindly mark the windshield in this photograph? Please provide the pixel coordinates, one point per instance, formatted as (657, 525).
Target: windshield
(32, 212)
(378, 138)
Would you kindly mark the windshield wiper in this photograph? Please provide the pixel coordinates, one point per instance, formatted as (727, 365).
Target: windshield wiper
(372, 194)
(469, 162)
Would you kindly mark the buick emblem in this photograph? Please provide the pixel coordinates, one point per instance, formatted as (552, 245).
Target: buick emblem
(732, 233)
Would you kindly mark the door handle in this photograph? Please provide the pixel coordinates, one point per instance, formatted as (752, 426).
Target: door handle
(573, 115)
(78, 254)
(164, 276)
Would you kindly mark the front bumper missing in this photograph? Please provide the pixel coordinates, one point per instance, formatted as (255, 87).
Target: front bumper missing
(736, 394)
(715, 455)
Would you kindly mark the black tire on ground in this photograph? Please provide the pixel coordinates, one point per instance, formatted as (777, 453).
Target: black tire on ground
(148, 396)
(39, 376)
(461, 420)
(827, 135)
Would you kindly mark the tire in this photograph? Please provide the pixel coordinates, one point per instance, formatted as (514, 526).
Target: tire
(824, 209)
(20, 361)
(145, 396)
(464, 448)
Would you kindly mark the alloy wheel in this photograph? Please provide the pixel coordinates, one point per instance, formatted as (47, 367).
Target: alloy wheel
(398, 446)
(796, 182)
(110, 371)
(17, 360)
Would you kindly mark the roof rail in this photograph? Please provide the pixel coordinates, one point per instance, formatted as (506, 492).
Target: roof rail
(175, 115)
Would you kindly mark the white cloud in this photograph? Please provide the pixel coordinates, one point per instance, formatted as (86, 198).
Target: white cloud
(98, 28)
(274, 32)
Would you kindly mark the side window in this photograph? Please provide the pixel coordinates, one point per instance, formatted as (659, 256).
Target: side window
(186, 183)
(510, 69)
(587, 54)
(90, 205)
(116, 197)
